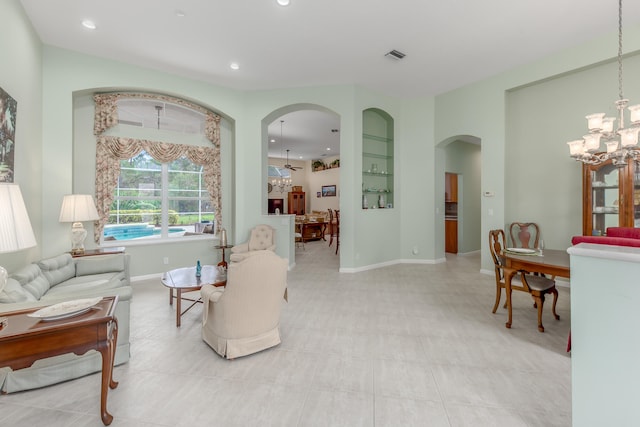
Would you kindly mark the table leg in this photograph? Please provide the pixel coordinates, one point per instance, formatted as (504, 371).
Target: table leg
(508, 275)
(170, 296)
(107, 350)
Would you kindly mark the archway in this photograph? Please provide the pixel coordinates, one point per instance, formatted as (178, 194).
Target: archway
(295, 138)
(459, 157)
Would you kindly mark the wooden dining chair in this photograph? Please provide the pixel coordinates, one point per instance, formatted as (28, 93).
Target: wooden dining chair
(337, 229)
(524, 234)
(536, 286)
(332, 226)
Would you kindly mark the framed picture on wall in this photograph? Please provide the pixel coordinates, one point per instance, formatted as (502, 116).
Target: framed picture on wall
(328, 191)
(318, 194)
(8, 107)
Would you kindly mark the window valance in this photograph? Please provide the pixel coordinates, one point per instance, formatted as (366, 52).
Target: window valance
(106, 112)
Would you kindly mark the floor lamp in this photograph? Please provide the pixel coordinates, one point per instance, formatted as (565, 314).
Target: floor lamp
(15, 228)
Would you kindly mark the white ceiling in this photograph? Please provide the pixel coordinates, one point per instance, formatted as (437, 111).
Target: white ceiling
(325, 42)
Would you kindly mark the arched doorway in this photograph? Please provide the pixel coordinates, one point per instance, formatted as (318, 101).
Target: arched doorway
(460, 162)
(301, 152)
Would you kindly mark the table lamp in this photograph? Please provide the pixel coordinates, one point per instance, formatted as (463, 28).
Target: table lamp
(15, 228)
(77, 208)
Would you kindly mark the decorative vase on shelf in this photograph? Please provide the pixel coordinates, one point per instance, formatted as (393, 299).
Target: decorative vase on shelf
(365, 204)
(198, 269)
(381, 202)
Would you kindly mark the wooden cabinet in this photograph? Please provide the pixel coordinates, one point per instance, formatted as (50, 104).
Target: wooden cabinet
(377, 159)
(611, 197)
(451, 187)
(296, 203)
(451, 236)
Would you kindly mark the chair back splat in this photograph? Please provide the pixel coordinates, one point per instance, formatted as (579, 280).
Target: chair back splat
(524, 234)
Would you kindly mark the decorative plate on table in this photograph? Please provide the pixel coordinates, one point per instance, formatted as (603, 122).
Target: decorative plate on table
(65, 309)
(522, 251)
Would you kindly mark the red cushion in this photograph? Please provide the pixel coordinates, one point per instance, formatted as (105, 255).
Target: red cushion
(628, 232)
(606, 240)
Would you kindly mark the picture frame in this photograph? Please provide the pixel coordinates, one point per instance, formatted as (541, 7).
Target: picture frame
(8, 109)
(318, 194)
(328, 191)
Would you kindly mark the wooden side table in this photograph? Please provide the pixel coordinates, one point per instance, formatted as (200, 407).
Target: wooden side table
(27, 339)
(100, 251)
(223, 247)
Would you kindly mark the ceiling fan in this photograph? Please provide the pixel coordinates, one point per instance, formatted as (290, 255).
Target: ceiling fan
(288, 166)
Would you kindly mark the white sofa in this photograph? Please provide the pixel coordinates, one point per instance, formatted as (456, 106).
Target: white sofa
(64, 278)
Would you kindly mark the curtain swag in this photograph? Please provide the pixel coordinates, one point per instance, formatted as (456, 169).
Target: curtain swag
(111, 150)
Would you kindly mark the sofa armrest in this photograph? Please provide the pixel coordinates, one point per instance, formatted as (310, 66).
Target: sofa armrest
(240, 248)
(103, 264)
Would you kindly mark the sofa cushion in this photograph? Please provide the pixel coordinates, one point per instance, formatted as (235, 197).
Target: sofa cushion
(58, 269)
(14, 292)
(98, 265)
(32, 280)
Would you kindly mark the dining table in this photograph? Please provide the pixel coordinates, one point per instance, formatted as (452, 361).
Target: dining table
(550, 262)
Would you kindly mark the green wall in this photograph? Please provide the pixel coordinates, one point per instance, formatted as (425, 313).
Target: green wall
(522, 119)
(21, 77)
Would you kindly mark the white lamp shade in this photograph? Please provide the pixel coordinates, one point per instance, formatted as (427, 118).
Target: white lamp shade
(635, 113)
(629, 137)
(576, 148)
(592, 142)
(594, 121)
(78, 208)
(15, 228)
(607, 124)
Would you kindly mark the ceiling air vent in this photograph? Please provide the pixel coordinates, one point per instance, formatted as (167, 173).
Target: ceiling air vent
(395, 54)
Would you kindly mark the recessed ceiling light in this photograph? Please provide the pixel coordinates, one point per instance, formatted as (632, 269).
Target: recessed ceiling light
(328, 148)
(234, 66)
(180, 13)
(283, 2)
(272, 140)
(89, 24)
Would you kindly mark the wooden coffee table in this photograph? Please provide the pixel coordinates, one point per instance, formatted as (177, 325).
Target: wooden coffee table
(26, 339)
(184, 280)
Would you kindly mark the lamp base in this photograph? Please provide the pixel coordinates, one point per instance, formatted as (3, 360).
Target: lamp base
(4, 276)
(78, 234)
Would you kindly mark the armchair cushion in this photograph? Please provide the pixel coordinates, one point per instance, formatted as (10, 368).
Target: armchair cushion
(263, 237)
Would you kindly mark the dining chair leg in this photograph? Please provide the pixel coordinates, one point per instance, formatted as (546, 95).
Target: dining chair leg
(555, 300)
(498, 295)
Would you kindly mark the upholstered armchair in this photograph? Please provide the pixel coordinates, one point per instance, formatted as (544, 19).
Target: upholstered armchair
(263, 237)
(244, 317)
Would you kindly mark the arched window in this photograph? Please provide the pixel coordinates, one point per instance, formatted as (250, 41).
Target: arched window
(148, 183)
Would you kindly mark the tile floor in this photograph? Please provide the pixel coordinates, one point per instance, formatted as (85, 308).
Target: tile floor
(405, 345)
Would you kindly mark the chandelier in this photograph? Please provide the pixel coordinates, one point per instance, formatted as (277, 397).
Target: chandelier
(622, 143)
(281, 184)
